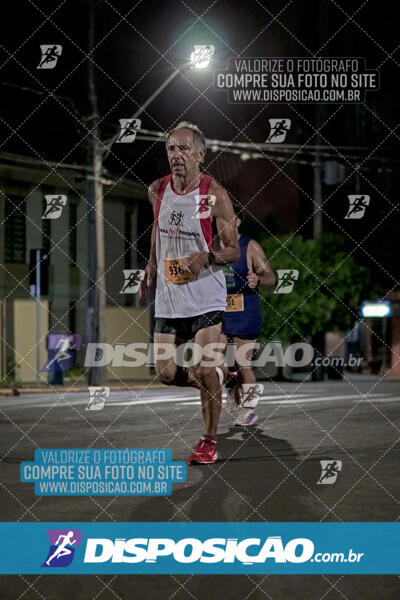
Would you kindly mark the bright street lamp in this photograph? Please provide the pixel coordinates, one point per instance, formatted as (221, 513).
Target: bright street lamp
(201, 56)
(375, 309)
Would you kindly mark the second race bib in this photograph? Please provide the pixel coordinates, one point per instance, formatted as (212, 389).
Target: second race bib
(234, 302)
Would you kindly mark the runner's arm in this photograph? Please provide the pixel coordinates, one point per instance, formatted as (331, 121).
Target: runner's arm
(225, 222)
(260, 271)
(151, 268)
(226, 227)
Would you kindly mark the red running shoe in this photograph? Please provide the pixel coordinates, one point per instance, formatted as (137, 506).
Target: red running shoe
(204, 452)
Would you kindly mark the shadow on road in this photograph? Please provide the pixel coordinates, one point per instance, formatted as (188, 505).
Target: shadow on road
(259, 478)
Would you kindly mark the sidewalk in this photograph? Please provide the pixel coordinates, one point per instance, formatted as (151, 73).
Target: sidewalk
(151, 384)
(79, 387)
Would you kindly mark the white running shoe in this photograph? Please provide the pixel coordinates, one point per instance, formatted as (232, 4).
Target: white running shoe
(245, 418)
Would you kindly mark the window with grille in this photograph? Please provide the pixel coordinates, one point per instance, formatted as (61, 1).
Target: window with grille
(46, 229)
(15, 229)
(72, 234)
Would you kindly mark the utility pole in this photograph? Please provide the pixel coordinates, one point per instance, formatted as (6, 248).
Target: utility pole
(317, 184)
(94, 189)
(318, 339)
(37, 296)
(319, 121)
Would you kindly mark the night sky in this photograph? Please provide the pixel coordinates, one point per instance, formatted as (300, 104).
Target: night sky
(139, 44)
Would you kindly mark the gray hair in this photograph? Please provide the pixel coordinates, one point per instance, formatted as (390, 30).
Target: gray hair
(198, 135)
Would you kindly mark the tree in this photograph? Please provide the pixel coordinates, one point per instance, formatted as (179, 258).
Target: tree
(327, 294)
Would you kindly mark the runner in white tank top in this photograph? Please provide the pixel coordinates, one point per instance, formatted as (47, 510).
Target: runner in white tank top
(191, 292)
(181, 231)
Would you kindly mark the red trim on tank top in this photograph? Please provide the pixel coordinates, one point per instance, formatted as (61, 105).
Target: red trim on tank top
(189, 191)
(160, 193)
(206, 223)
(203, 191)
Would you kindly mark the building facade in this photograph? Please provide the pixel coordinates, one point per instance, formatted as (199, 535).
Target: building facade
(25, 183)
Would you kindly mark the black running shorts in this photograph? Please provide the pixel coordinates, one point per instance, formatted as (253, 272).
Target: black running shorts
(187, 327)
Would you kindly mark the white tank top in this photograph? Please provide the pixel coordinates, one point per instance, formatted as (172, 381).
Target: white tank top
(179, 232)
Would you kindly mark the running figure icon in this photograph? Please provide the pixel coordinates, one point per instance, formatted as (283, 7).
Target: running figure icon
(279, 129)
(54, 207)
(64, 346)
(50, 56)
(129, 129)
(357, 206)
(132, 280)
(286, 280)
(330, 470)
(62, 549)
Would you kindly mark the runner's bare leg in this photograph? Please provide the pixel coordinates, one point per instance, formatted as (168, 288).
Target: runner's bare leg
(246, 373)
(166, 368)
(208, 380)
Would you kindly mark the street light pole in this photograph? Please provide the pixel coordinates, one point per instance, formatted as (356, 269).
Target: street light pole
(37, 295)
(96, 252)
(317, 172)
(319, 122)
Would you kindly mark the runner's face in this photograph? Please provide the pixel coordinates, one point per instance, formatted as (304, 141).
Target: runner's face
(184, 155)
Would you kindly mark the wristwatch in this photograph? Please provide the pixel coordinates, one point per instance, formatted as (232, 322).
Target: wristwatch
(211, 259)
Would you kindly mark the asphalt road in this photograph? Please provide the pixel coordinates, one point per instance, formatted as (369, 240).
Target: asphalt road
(268, 472)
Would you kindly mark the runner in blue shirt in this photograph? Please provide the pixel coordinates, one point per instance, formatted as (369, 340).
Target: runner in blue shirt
(243, 320)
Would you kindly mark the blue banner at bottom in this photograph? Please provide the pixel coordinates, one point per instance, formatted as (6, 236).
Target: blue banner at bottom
(210, 548)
